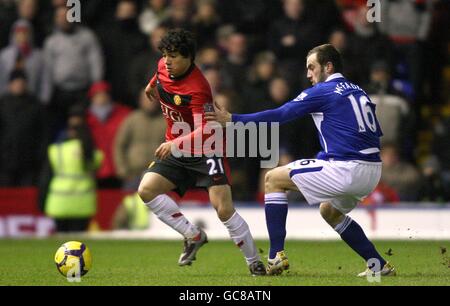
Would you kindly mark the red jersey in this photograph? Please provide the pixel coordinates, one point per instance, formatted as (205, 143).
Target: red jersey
(183, 99)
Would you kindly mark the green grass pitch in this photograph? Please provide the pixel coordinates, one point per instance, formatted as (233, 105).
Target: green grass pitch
(154, 263)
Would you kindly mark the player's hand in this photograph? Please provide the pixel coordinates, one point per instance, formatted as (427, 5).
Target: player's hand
(220, 115)
(164, 150)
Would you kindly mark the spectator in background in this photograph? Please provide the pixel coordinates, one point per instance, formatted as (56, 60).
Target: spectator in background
(349, 11)
(215, 80)
(208, 57)
(326, 16)
(441, 148)
(122, 41)
(68, 190)
(290, 38)
(205, 22)
(252, 18)
(407, 24)
(104, 119)
(436, 54)
(180, 14)
(155, 11)
(256, 93)
(223, 33)
(393, 111)
(143, 67)
(236, 60)
(435, 188)
(94, 12)
(401, 176)
(29, 10)
(7, 18)
(74, 59)
(383, 194)
(208, 60)
(367, 45)
(279, 91)
(21, 54)
(230, 99)
(339, 39)
(22, 134)
(137, 139)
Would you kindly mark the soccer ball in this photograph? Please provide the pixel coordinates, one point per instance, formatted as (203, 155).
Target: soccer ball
(73, 259)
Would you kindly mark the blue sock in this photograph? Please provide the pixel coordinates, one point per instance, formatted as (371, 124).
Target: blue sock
(354, 236)
(276, 213)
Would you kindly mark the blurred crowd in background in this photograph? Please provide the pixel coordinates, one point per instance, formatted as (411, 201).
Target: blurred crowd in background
(253, 54)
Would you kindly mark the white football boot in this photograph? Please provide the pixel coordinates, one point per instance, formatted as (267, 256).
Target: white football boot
(277, 265)
(388, 270)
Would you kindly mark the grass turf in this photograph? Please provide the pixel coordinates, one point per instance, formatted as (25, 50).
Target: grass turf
(219, 263)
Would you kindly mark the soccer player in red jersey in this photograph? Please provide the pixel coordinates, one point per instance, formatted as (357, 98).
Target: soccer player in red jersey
(184, 93)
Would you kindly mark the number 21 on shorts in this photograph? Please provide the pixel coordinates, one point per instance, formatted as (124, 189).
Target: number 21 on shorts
(216, 166)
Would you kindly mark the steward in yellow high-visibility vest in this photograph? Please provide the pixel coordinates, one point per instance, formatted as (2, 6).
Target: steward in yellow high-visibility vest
(72, 190)
(67, 189)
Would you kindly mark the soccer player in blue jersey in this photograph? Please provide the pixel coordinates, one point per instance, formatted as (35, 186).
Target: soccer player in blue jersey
(346, 171)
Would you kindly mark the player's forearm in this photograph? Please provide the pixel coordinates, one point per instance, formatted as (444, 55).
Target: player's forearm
(282, 115)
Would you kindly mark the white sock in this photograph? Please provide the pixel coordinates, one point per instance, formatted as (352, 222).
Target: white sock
(168, 212)
(240, 233)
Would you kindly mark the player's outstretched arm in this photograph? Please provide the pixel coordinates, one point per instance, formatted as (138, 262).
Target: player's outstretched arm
(283, 114)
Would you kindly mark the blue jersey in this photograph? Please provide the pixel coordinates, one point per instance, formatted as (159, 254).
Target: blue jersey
(344, 116)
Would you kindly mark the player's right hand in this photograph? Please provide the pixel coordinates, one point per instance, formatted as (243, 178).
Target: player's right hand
(221, 115)
(164, 150)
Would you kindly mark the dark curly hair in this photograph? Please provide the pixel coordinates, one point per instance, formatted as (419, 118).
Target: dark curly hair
(179, 40)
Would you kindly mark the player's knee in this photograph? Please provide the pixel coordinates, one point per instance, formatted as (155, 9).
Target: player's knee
(330, 214)
(146, 192)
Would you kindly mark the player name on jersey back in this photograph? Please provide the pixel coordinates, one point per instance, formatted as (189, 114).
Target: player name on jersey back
(341, 87)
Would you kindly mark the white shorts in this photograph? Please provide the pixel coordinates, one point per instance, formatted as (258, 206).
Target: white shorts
(342, 183)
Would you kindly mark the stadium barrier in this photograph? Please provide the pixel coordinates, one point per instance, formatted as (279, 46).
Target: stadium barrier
(412, 221)
(21, 218)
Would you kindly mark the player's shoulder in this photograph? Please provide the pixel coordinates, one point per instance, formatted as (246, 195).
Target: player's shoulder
(318, 90)
(199, 82)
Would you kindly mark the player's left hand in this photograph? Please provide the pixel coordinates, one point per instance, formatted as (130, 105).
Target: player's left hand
(220, 115)
(164, 150)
